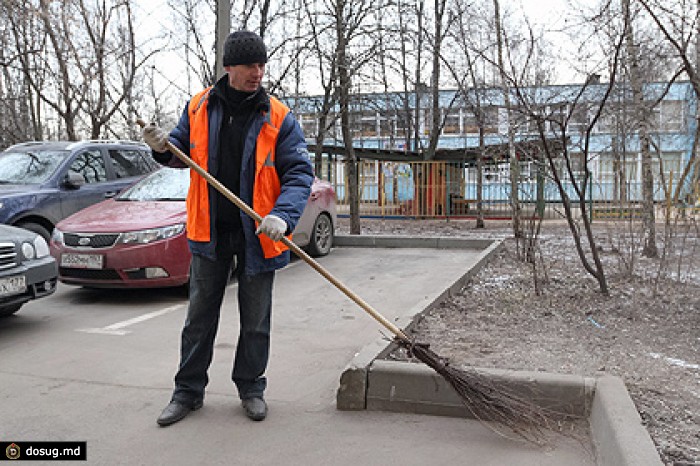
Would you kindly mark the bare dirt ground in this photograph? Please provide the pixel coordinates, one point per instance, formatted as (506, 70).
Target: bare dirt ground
(647, 331)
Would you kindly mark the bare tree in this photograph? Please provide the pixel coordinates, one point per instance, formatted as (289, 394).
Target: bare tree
(679, 24)
(562, 163)
(20, 110)
(418, 84)
(354, 48)
(471, 86)
(437, 122)
(113, 64)
(327, 64)
(343, 30)
(514, 164)
(410, 124)
(197, 46)
(557, 114)
(79, 62)
(642, 113)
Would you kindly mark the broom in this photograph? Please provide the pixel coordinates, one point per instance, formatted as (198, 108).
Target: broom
(484, 397)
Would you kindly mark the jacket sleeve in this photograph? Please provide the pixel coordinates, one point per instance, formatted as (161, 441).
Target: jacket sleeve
(295, 172)
(180, 137)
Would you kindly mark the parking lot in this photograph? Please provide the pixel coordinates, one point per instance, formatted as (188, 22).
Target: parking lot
(97, 366)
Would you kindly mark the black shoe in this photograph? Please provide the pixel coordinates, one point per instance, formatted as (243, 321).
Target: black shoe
(255, 408)
(176, 411)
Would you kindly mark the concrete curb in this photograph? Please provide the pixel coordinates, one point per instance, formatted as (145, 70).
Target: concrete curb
(374, 383)
(384, 241)
(616, 427)
(412, 387)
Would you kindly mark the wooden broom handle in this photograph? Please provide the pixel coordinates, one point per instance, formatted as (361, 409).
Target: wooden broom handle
(286, 241)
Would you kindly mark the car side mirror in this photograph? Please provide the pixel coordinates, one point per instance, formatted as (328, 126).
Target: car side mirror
(73, 180)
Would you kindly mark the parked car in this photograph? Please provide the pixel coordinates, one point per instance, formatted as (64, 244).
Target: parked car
(27, 270)
(44, 182)
(138, 239)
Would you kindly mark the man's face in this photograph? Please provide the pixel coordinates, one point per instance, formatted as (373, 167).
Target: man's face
(245, 78)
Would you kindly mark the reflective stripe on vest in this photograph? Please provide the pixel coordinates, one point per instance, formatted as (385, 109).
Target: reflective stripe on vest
(266, 187)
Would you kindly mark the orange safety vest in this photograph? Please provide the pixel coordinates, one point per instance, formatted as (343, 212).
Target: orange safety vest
(266, 187)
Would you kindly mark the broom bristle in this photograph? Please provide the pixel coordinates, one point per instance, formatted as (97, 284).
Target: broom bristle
(489, 399)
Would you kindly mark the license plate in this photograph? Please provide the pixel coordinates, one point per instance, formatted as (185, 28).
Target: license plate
(82, 261)
(12, 285)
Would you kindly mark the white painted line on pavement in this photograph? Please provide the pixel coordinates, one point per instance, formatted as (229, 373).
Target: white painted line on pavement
(118, 328)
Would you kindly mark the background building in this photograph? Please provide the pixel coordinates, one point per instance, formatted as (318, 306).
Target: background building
(593, 127)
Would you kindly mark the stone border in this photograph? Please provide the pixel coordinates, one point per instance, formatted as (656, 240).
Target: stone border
(372, 382)
(412, 387)
(616, 427)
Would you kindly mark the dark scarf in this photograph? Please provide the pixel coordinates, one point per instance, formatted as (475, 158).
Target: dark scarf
(238, 111)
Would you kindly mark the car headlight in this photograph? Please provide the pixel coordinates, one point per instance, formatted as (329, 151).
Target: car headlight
(57, 236)
(41, 247)
(28, 251)
(151, 235)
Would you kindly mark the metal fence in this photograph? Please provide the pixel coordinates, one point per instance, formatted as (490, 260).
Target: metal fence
(449, 190)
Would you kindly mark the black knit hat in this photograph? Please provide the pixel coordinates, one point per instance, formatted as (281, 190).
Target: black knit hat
(244, 48)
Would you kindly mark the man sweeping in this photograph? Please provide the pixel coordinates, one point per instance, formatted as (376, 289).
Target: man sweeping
(254, 146)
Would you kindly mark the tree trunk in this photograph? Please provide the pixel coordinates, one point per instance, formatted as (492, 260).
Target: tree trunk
(436, 118)
(344, 92)
(417, 141)
(480, 176)
(512, 156)
(642, 117)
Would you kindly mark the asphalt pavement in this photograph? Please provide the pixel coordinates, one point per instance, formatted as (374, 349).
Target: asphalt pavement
(97, 366)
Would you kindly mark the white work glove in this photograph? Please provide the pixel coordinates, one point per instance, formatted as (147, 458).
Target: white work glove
(273, 226)
(155, 137)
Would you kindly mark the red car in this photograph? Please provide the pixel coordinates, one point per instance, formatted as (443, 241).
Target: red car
(137, 239)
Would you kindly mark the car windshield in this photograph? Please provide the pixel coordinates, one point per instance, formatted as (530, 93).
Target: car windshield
(31, 167)
(166, 184)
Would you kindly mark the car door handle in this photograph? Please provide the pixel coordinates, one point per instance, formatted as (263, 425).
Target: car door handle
(109, 194)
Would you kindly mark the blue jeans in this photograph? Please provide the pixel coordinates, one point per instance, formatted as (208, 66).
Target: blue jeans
(208, 280)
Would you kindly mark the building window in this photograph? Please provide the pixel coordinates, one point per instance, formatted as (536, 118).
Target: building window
(402, 125)
(452, 121)
(386, 122)
(364, 124)
(579, 121)
(556, 116)
(611, 119)
(523, 123)
(672, 167)
(471, 124)
(668, 116)
(490, 120)
(309, 124)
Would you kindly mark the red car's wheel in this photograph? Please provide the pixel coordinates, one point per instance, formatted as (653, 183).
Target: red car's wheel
(321, 236)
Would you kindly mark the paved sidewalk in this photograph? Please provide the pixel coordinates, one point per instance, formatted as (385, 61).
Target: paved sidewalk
(108, 390)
